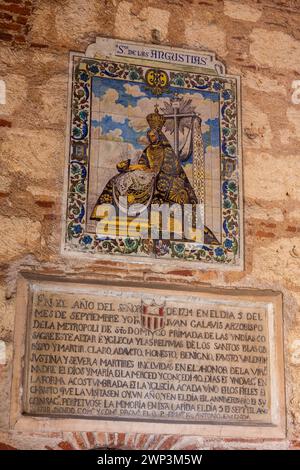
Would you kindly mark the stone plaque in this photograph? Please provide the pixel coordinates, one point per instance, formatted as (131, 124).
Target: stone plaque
(129, 353)
(153, 157)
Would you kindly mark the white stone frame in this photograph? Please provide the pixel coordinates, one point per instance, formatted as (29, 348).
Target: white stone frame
(105, 48)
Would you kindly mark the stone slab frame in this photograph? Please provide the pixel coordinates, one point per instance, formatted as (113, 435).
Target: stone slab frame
(270, 300)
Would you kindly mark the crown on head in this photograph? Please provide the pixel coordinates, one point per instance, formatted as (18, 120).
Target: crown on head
(156, 120)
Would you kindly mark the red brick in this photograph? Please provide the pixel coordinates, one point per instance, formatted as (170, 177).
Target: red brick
(20, 2)
(6, 447)
(170, 441)
(130, 441)
(79, 439)
(101, 439)
(91, 438)
(262, 234)
(5, 16)
(5, 37)
(11, 27)
(44, 203)
(140, 444)
(250, 441)
(41, 46)
(155, 442)
(294, 445)
(110, 440)
(50, 217)
(270, 225)
(20, 39)
(16, 9)
(4, 122)
(21, 19)
(181, 272)
(291, 229)
(64, 445)
(121, 439)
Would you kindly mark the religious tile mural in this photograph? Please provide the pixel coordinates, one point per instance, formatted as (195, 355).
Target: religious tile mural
(154, 161)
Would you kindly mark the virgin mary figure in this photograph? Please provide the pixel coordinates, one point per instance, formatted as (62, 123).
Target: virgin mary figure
(157, 178)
